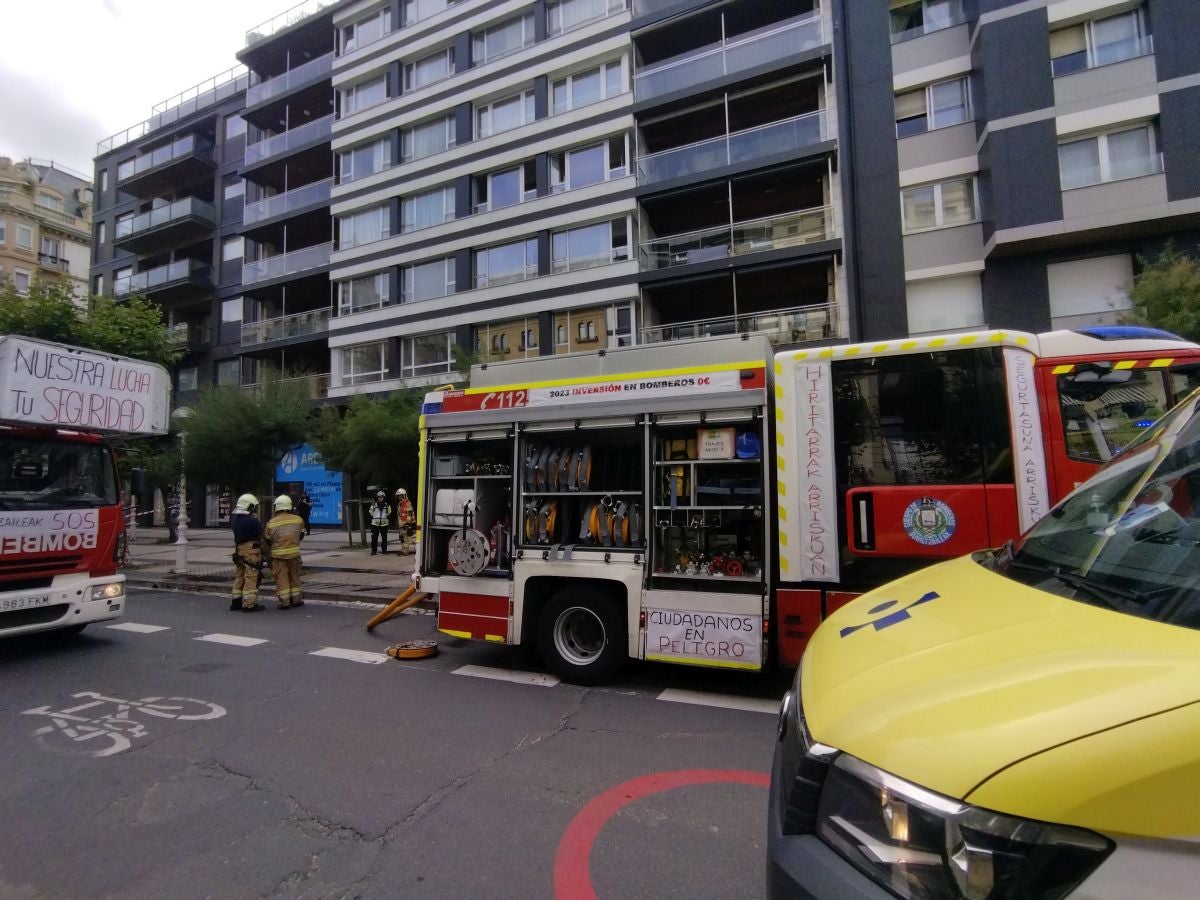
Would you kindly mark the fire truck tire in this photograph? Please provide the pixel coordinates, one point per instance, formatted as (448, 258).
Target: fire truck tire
(581, 634)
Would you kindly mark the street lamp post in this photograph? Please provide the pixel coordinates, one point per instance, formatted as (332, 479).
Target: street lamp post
(181, 565)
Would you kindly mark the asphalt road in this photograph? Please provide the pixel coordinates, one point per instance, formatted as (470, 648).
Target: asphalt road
(304, 763)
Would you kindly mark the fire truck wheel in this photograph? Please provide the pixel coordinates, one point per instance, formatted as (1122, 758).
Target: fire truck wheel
(582, 636)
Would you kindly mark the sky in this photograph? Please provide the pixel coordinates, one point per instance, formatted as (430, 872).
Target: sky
(76, 71)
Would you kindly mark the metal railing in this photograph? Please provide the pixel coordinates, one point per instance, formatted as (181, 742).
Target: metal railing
(524, 273)
(779, 41)
(160, 156)
(287, 19)
(165, 215)
(318, 385)
(292, 263)
(152, 279)
(595, 9)
(740, 146)
(953, 15)
(55, 263)
(289, 201)
(753, 236)
(800, 323)
(318, 129)
(313, 70)
(187, 334)
(313, 321)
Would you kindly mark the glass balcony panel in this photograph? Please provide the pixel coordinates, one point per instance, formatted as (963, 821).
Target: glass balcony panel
(772, 233)
(151, 279)
(316, 385)
(284, 264)
(802, 323)
(318, 129)
(313, 321)
(164, 215)
(190, 144)
(310, 71)
(289, 201)
(286, 19)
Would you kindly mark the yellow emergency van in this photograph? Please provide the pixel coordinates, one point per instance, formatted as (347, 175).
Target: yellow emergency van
(1021, 723)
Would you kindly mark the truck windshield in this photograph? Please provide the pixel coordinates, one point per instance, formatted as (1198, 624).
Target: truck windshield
(55, 474)
(1129, 538)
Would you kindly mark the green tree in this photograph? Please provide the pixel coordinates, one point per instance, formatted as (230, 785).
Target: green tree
(1166, 293)
(375, 441)
(234, 437)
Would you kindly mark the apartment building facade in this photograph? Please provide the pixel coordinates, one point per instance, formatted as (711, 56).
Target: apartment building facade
(45, 225)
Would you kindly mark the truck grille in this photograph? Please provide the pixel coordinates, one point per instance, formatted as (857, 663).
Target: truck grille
(39, 615)
(36, 567)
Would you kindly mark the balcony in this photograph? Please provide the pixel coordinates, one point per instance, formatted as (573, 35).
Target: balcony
(648, 7)
(53, 263)
(285, 264)
(295, 200)
(190, 336)
(781, 326)
(314, 321)
(173, 223)
(789, 136)
(287, 19)
(317, 386)
(302, 76)
(290, 141)
(722, 242)
(944, 15)
(181, 162)
(779, 41)
(180, 277)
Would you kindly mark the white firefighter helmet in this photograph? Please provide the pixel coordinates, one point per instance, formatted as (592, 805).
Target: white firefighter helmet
(283, 502)
(401, 492)
(246, 503)
(380, 495)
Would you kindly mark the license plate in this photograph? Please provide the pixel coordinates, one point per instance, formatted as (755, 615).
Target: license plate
(11, 604)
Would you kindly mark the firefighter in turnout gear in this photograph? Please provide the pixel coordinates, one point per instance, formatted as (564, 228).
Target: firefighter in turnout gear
(282, 537)
(247, 555)
(381, 514)
(406, 518)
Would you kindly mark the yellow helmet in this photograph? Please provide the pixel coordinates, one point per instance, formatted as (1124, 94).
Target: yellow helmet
(283, 502)
(246, 503)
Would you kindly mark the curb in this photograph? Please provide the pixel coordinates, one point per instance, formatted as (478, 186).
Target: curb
(221, 587)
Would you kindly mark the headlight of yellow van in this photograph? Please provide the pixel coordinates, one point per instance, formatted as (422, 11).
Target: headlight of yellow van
(922, 845)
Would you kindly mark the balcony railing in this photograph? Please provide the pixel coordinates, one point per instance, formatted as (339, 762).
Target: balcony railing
(1104, 55)
(287, 19)
(949, 15)
(210, 91)
(755, 236)
(18, 199)
(178, 272)
(53, 263)
(318, 129)
(193, 337)
(188, 207)
(284, 264)
(779, 41)
(788, 135)
(289, 201)
(645, 7)
(781, 326)
(317, 385)
(184, 146)
(311, 71)
(314, 321)
(524, 273)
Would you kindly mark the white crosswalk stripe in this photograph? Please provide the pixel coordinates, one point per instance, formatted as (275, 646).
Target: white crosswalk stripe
(359, 656)
(138, 627)
(541, 679)
(234, 640)
(723, 701)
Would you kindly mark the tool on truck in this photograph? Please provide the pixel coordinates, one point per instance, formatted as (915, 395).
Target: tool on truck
(62, 527)
(643, 504)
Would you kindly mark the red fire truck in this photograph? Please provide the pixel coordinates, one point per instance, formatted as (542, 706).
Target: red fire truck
(708, 503)
(61, 524)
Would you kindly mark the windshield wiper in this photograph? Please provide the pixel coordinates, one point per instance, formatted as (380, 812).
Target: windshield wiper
(1106, 594)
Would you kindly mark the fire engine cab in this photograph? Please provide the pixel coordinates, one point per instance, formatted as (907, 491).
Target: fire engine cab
(709, 502)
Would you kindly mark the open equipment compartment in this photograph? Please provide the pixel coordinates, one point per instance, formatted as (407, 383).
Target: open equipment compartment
(471, 480)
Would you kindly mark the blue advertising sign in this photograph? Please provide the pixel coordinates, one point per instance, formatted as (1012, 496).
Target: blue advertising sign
(324, 486)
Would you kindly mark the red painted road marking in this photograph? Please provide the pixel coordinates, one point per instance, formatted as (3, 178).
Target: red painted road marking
(572, 875)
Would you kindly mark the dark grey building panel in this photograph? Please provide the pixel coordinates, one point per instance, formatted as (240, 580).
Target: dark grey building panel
(1019, 182)
(1175, 25)
(1016, 293)
(1179, 115)
(1011, 67)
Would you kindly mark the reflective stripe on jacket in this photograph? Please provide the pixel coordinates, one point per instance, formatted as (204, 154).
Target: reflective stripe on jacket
(380, 514)
(283, 534)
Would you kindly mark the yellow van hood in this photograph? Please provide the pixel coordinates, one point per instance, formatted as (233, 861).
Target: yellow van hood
(953, 673)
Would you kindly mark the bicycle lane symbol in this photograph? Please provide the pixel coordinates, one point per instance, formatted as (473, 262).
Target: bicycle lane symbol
(114, 728)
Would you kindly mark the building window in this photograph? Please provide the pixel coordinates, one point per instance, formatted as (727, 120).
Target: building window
(104, 181)
(49, 201)
(429, 69)
(427, 209)
(21, 281)
(499, 189)
(366, 30)
(499, 343)
(591, 245)
(231, 310)
(232, 248)
(588, 165)
(366, 159)
(579, 326)
(939, 205)
(360, 294)
(364, 363)
(428, 354)
(564, 15)
(229, 372)
(504, 115)
(529, 339)
(428, 281)
(427, 139)
(235, 126)
(364, 95)
(24, 237)
(188, 379)
(363, 227)
(233, 187)
(911, 18)
(51, 248)
(98, 285)
(933, 106)
(1130, 153)
(588, 86)
(516, 261)
(500, 40)
(560, 335)
(101, 235)
(1099, 42)
(4, 231)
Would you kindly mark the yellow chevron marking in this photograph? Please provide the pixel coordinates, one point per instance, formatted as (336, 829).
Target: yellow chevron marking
(1160, 363)
(1063, 370)
(1125, 364)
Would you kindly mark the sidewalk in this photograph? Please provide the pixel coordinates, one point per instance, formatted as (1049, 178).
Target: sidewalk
(332, 570)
